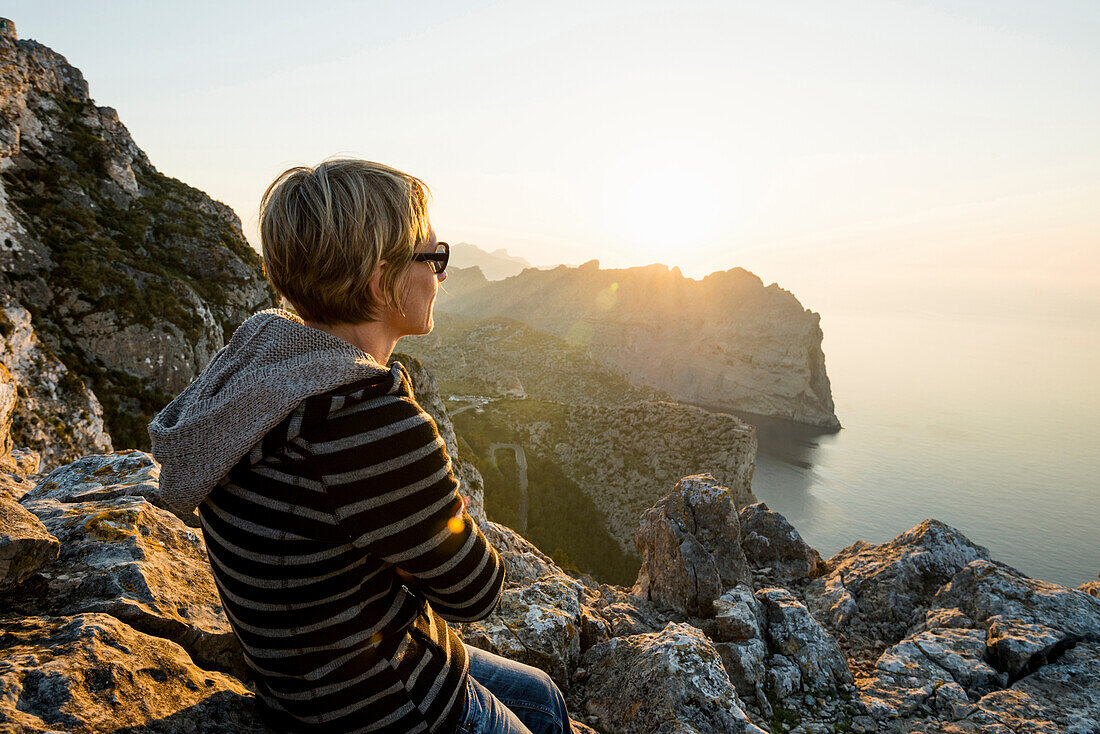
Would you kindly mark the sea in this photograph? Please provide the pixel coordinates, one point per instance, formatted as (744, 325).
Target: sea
(989, 424)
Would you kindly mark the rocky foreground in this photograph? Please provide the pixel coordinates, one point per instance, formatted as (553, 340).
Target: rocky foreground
(111, 622)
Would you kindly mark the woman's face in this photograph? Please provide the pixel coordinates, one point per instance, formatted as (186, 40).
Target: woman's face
(418, 289)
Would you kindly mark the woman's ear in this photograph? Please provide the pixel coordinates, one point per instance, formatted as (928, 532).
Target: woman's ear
(374, 285)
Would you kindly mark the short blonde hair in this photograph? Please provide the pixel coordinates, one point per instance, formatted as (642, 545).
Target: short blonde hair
(325, 229)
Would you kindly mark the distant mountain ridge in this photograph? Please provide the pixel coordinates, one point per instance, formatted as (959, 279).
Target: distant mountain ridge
(725, 342)
(494, 265)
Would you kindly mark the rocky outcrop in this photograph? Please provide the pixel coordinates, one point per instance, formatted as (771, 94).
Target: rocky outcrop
(92, 673)
(667, 681)
(132, 279)
(690, 549)
(727, 342)
(885, 588)
(795, 634)
(774, 548)
(55, 414)
(25, 544)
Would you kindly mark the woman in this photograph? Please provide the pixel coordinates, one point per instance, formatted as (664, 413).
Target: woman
(338, 540)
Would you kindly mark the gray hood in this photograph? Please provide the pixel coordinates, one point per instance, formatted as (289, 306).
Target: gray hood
(272, 363)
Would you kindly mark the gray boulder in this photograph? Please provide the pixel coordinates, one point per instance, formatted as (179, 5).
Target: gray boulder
(984, 590)
(1060, 697)
(884, 589)
(793, 633)
(123, 555)
(25, 544)
(538, 624)
(663, 682)
(769, 541)
(689, 544)
(92, 673)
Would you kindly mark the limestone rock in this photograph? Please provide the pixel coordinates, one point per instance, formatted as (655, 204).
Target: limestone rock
(769, 541)
(101, 477)
(890, 585)
(663, 682)
(56, 414)
(627, 614)
(1019, 648)
(745, 665)
(942, 670)
(689, 547)
(538, 624)
(739, 616)
(795, 634)
(92, 673)
(523, 562)
(139, 563)
(984, 590)
(25, 544)
(1059, 697)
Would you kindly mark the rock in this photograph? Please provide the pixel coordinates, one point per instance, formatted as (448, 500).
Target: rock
(25, 544)
(689, 547)
(784, 677)
(7, 410)
(14, 487)
(738, 616)
(139, 563)
(56, 416)
(942, 669)
(891, 583)
(1059, 697)
(101, 477)
(769, 541)
(795, 634)
(92, 673)
(1092, 588)
(523, 562)
(668, 681)
(983, 590)
(1019, 648)
(538, 624)
(627, 614)
(744, 664)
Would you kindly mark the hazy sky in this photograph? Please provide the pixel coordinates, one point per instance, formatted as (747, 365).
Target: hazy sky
(855, 152)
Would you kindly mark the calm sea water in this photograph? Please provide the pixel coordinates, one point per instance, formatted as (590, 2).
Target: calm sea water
(990, 425)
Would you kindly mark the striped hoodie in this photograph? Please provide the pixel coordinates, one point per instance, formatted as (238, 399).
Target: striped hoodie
(304, 533)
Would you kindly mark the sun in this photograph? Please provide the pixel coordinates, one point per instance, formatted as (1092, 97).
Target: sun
(665, 209)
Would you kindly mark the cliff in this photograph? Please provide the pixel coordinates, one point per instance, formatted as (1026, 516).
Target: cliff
(726, 342)
(132, 279)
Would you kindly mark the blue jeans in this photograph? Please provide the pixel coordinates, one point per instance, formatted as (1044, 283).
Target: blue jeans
(506, 697)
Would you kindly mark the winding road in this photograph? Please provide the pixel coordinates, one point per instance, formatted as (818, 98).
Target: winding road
(521, 461)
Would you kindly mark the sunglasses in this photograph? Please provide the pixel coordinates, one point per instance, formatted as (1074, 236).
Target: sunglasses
(437, 260)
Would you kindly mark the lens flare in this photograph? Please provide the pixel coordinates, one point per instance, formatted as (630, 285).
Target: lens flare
(456, 525)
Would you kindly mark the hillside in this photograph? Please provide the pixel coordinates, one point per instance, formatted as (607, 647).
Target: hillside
(726, 342)
(132, 279)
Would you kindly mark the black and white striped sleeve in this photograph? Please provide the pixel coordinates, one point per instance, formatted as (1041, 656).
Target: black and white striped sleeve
(387, 472)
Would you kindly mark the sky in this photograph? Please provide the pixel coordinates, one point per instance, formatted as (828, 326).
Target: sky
(868, 156)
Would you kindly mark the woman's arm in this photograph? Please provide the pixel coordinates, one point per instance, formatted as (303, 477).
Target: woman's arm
(391, 486)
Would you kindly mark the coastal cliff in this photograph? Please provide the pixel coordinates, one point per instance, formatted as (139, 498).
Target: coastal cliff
(725, 342)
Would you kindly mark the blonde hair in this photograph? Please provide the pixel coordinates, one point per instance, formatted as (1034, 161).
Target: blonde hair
(325, 229)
